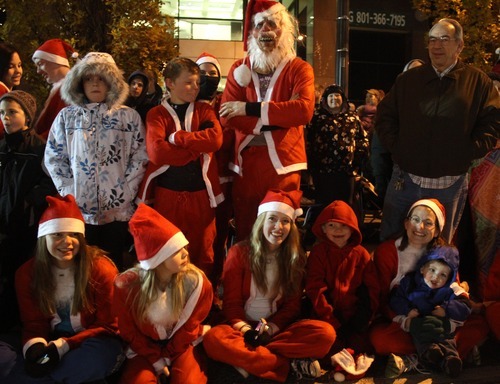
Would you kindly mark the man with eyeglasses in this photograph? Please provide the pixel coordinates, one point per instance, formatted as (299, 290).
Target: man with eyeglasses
(435, 120)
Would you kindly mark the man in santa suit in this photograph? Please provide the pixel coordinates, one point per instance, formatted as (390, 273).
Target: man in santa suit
(51, 60)
(269, 96)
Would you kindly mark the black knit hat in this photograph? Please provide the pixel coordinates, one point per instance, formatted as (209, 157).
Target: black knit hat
(25, 100)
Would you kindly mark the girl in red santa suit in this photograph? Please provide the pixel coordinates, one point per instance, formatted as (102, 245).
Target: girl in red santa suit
(263, 284)
(161, 304)
(65, 294)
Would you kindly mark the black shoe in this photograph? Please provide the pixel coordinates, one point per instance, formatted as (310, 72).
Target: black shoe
(453, 366)
(433, 355)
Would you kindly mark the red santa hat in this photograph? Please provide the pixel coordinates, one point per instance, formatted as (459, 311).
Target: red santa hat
(287, 203)
(155, 238)
(62, 215)
(435, 206)
(256, 11)
(55, 51)
(208, 58)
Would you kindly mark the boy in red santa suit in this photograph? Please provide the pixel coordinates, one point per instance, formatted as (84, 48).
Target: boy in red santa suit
(161, 304)
(269, 96)
(341, 279)
(51, 60)
(181, 180)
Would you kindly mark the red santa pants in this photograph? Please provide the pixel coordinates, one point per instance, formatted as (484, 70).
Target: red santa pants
(303, 339)
(192, 214)
(259, 175)
(188, 368)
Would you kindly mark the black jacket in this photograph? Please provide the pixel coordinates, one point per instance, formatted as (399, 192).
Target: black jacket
(23, 183)
(435, 127)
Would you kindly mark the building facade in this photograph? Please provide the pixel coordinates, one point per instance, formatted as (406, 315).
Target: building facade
(383, 36)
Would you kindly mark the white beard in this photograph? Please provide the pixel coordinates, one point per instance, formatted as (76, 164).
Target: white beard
(266, 62)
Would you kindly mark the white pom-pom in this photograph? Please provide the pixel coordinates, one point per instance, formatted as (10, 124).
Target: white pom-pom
(74, 55)
(339, 377)
(242, 75)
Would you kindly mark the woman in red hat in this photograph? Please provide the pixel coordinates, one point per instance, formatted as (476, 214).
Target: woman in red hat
(394, 259)
(65, 294)
(263, 283)
(161, 304)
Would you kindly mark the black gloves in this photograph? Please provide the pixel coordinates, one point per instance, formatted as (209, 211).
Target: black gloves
(254, 339)
(205, 124)
(430, 329)
(41, 359)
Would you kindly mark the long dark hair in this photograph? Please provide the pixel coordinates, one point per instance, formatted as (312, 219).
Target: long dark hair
(6, 52)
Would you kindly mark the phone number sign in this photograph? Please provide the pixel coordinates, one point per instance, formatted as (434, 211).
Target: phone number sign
(377, 19)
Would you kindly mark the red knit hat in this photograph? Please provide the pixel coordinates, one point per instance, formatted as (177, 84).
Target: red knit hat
(435, 206)
(155, 238)
(62, 215)
(287, 203)
(55, 51)
(208, 58)
(257, 10)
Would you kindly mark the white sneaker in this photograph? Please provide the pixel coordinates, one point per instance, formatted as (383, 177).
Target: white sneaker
(306, 367)
(396, 366)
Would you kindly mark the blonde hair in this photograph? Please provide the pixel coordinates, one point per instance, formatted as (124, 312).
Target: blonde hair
(180, 288)
(43, 283)
(291, 259)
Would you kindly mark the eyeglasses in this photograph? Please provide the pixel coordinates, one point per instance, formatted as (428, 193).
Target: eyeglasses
(415, 220)
(445, 40)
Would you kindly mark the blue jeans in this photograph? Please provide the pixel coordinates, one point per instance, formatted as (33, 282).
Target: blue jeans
(93, 360)
(398, 202)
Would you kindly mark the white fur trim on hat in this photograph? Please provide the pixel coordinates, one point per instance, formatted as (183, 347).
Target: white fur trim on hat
(259, 16)
(280, 207)
(211, 60)
(172, 246)
(50, 57)
(438, 211)
(62, 224)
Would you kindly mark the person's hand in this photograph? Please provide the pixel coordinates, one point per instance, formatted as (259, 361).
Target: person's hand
(439, 311)
(163, 375)
(41, 359)
(255, 338)
(413, 313)
(232, 109)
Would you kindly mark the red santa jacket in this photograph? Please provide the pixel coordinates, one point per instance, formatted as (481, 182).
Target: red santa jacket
(386, 261)
(289, 105)
(52, 106)
(143, 337)
(190, 144)
(98, 322)
(335, 275)
(237, 281)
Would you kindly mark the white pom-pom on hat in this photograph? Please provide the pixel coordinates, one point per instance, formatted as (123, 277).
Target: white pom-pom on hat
(242, 74)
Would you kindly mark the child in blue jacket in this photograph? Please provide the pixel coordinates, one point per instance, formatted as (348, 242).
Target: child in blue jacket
(429, 309)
